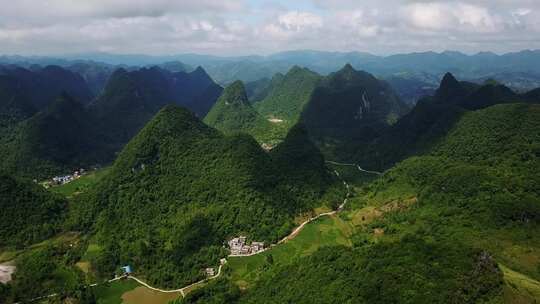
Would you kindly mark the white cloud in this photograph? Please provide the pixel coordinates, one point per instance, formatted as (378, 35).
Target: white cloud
(237, 27)
(451, 16)
(298, 21)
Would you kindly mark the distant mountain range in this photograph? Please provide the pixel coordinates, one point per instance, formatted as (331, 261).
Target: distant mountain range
(453, 216)
(50, 122)
(518, 70)
(343, 107)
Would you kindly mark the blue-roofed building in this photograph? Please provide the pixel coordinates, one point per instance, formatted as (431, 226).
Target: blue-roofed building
(127, 269)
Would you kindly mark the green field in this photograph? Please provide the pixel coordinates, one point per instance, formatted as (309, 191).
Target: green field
(111, 293)
(519, 287)
(80, 185)
(326, 231)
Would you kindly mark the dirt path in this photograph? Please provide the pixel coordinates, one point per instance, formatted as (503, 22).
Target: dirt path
(354, 165)
(179, 290)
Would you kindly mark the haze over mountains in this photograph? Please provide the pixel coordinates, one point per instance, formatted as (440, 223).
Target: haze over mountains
(518, 69)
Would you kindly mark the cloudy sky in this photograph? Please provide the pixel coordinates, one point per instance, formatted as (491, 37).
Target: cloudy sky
(242, 27)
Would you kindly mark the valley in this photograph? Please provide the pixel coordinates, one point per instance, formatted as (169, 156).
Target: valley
(344, 190)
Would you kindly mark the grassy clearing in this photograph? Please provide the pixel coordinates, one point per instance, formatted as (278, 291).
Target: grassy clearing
(111, 293)
(80, 185)
(8, 254)
(519, 287)
(91, 252)
(143, 295)
(327, 231)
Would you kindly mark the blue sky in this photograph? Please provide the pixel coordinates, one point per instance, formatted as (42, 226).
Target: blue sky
(243, 27)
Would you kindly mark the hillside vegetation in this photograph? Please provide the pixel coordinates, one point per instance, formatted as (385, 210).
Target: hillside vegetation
(233, 113)
(29, 213)
(179, 189)
(63, 134)
(429, 122)
(441, 227)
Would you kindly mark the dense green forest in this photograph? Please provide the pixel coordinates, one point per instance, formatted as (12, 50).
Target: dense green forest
(29, 212)
(337, 110)
(351, 105)
(233, 113)
(179, 189)
(66, 133)
(288, 94)
(56, 140)
(449, 221)
(430, 121)
(408, 271)
(49, 270)
(479, 181)
(457, 207)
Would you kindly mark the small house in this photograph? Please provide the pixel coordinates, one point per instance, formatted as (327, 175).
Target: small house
(210, 271)
(127, 270)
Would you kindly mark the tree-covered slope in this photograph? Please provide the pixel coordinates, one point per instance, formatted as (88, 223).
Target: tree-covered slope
(350, 107)
(276, 110)
(54, 140)
(408, 271)
(431, 119)
(179, 189)
(233, 113)
(42, 85)
(29, 213)
(442, 227)
(288, 94)
(479, 183)
(131, 98)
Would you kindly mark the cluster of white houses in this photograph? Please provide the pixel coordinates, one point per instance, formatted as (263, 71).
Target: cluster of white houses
(239, 246)
(64, 179)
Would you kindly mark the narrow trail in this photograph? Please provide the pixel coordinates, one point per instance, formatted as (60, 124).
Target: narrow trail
(52, 295)
(354, 165)
(180, 290)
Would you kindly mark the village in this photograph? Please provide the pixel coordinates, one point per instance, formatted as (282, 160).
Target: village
(64, 179)
(239, 246)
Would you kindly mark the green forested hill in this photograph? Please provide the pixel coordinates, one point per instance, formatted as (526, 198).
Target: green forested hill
(132, 98)
(55, 140)
(288, 94)
(42, 85)
(29, 213)
(233, 113)
(179, 189)
(408, 271)
(431, 119)
(270, 118)
(64, 134)
(349, 108)
(441, 227)
(336, 110)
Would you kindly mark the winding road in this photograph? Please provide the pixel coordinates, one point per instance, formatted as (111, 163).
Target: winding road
(291, 236)
(180, 290)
